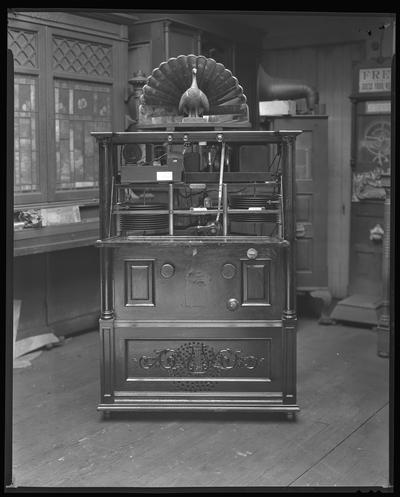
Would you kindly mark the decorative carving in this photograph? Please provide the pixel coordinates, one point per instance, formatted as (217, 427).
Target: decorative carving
(23, 45)
(78, 56)
(216, 92)
(197, 359)
(137, 82)
(368, 185)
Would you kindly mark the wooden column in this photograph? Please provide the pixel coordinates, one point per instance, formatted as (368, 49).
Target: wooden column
(105, 182)
(289, 227)
(289, 318)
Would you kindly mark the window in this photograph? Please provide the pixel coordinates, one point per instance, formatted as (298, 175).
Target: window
(67, 83)
(26, 175)
(80, 108)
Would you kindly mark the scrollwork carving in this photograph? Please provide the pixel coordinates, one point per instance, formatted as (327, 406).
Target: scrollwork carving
(198, 359)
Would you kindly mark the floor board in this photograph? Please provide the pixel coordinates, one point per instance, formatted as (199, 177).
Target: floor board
(340, 436)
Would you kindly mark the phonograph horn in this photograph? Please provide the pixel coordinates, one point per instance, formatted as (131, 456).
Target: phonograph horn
(270, 88)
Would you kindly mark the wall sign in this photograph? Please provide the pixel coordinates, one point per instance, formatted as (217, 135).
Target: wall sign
(374, 79)
(377, 107)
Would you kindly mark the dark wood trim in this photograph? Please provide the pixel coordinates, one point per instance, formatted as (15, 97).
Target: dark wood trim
(51, 238)
(74, 22)
(46, 75)
(8, 338)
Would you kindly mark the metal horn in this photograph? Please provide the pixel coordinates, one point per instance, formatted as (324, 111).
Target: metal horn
(270, 88)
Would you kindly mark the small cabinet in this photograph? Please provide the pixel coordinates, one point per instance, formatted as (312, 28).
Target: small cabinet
(311, 197)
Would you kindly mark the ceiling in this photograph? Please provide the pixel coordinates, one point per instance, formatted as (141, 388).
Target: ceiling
(282, 28)
(278, 29)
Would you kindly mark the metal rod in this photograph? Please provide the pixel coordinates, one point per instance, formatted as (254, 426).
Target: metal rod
(281, 218)
(221, 175)
(111, 208)
(171, 208)
(225, 209)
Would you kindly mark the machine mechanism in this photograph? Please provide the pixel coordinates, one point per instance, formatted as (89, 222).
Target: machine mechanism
(197, 251)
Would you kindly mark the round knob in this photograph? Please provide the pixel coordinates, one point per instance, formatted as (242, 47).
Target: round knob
(233, 304)
(167, 270)
(252, 253)
(228, 271)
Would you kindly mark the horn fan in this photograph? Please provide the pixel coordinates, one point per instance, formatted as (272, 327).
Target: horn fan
(167, 84)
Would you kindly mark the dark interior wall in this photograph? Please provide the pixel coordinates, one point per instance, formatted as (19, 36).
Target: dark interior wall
(59, 291)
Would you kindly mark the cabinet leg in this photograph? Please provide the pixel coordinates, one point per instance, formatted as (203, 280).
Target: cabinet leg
(291, 416)
(325, 297)
(106, 415)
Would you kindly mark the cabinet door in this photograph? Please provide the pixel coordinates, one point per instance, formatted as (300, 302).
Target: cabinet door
(371, 155)
(311, 198)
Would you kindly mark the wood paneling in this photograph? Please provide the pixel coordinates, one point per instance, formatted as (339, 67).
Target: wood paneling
(311, 198)
(256, 282)
(139, 287)
(30, 288)
(329, 69)
(72, 283)
(59, 291)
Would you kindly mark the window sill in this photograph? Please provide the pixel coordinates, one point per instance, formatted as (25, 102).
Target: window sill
(51, 238)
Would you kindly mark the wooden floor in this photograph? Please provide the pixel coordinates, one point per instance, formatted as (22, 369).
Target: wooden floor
(340, 437)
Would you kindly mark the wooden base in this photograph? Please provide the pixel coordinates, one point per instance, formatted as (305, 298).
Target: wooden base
(198, 406)
(357, 309)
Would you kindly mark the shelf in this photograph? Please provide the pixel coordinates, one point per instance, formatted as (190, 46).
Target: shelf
(51, 238)
(181, 184)
(226, 136)
(191, 240)
(194, 212)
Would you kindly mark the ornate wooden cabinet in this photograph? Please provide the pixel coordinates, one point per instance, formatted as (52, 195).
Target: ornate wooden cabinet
(196, 314)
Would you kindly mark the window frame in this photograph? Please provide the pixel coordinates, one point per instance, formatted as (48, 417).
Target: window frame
(47, 171)
(41, 103)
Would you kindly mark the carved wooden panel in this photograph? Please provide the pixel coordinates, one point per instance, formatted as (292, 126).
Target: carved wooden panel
(24, 46)
(79, 109)
(139, 283)
(82, 57)
(26, 168)
(198, 278)
(256, 282)
(197, 364)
